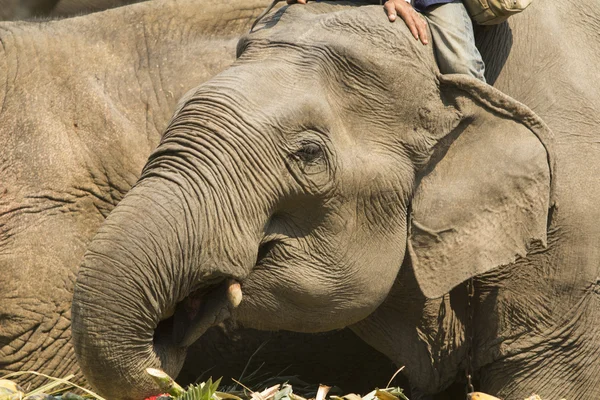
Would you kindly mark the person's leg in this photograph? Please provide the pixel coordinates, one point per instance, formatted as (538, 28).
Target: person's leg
(454, 40)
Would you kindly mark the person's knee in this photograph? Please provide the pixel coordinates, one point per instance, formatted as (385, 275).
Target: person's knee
(475, 69)
(461, 62)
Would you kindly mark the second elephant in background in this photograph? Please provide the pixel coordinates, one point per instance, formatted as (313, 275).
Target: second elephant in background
(25, 9)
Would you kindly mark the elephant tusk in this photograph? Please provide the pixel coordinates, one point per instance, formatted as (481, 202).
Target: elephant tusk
(234, 293)
(215, 308)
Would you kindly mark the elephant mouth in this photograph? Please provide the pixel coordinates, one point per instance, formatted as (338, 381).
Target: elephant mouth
(207, 306)
(201, 310)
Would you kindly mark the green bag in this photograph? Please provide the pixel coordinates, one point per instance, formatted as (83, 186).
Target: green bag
(491, 12)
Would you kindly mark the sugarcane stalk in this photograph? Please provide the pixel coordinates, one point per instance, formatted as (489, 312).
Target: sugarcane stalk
(165, 382)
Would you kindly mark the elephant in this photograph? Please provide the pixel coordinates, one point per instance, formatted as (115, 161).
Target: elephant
(332, 177)
(65, 8)
(25, 9)
(83, 105)
(18, 9)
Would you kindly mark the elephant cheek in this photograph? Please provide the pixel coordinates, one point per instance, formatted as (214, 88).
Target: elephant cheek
(272, 302)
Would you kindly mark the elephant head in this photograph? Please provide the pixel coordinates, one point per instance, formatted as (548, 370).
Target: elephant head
(287, 189)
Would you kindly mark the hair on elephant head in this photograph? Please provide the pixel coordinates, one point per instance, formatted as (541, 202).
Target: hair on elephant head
(284, 184)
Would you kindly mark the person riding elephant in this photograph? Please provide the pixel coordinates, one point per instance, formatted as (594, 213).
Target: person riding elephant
(451, 30)
(332, 177)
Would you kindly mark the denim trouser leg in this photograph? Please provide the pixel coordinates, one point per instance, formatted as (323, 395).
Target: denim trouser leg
(454, 40)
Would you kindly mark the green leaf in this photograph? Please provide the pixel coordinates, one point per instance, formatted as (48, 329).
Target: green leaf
(203, 391)
(390, 394)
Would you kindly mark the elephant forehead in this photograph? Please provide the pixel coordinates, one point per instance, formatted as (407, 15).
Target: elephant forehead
(351, 29)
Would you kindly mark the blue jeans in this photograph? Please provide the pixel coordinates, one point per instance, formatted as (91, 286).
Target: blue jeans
(454, 40)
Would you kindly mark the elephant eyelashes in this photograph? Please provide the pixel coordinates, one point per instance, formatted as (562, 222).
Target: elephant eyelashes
(310, 158)
(309, 152)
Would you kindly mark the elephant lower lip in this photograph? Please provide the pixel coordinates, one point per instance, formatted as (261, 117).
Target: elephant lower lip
(200, 312)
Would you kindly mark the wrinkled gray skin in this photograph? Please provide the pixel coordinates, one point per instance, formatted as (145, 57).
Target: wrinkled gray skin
(343, 182)
(82, 105)
(24, 9)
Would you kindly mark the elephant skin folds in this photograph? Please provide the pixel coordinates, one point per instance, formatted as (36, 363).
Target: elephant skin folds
(302, 168)
(82, 106)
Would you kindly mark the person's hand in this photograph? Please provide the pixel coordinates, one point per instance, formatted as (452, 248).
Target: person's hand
(415, 22)
(296, 1)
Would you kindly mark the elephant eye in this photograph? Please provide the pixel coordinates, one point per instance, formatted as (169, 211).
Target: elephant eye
(309, 159)
(309, 152)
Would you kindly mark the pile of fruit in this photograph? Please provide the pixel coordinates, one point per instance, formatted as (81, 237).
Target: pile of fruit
(55, 390)
(172, 391)
(208, 391)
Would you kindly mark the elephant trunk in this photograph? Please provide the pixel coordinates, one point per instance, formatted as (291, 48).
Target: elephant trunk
(154, 279)
(167, 262)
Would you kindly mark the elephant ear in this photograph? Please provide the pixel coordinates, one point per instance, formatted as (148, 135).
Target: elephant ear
(485, 196)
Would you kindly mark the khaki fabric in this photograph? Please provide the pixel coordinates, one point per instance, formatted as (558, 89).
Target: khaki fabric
(490, 12)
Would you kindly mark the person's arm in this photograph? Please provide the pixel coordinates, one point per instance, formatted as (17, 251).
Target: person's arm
(416, 24)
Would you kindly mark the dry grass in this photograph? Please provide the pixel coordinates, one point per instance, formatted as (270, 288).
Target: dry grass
(203, 391)
(56, 385)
